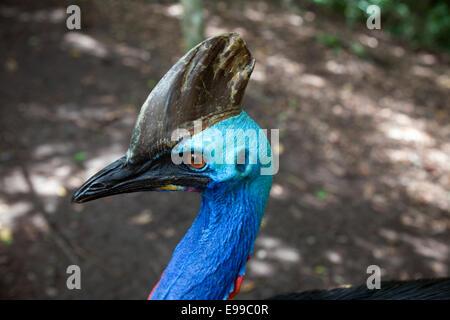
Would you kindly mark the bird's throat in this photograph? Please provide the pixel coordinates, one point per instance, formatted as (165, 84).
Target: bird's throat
(214, 251)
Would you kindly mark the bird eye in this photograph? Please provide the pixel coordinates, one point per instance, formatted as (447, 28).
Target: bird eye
(197, 161)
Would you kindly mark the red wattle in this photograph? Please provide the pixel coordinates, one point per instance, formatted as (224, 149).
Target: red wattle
(237, 284)
(237, 287)
(153, 290)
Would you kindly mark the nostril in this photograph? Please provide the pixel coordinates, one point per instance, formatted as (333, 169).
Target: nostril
(98, 185)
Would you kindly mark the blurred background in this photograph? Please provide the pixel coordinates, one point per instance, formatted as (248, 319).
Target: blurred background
(364, 141)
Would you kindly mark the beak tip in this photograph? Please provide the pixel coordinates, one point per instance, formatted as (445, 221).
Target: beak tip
(75, 198)
(80, 195)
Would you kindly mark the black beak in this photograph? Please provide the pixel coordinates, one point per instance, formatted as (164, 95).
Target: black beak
(125, 177)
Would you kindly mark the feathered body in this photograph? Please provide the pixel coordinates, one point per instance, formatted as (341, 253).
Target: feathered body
(423, 289)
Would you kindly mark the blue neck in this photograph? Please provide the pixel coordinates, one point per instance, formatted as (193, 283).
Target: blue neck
(214, 251)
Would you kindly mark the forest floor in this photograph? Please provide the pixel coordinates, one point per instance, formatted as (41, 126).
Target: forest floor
(364, 151)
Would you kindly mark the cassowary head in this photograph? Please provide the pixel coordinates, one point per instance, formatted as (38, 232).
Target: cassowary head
(193, 135)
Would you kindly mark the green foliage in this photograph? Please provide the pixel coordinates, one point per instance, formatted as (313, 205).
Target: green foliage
(320, 270)
(321, 194)
(293, 104)
(80, 157)
(422, 23)
(358, 49)
(151, 83)
(330, 40)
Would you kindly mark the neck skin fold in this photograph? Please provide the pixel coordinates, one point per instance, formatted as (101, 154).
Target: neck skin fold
(214, 251)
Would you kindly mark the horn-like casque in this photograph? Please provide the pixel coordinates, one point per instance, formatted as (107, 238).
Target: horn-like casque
(206, 84)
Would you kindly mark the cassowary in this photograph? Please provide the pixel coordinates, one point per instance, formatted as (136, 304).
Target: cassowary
(192, 135)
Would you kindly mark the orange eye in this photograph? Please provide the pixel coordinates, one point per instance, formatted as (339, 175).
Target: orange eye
(197, 161)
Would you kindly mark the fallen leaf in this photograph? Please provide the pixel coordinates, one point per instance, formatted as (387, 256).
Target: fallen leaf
(11, 65)
(6, 236)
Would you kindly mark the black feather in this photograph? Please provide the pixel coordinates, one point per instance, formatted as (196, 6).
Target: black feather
(424, 289)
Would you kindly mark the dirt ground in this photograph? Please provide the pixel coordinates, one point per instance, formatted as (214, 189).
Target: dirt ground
(364, 149)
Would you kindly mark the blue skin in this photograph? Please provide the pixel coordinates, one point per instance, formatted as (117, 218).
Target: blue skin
(214, 251)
